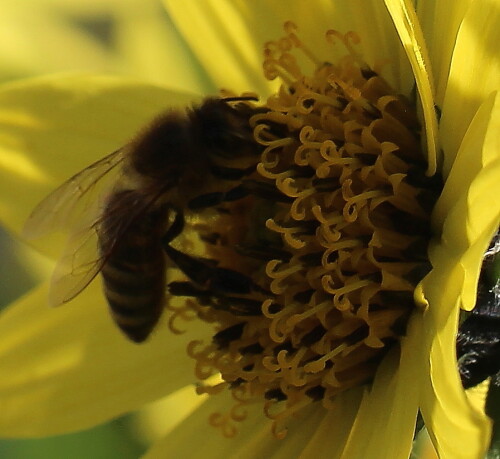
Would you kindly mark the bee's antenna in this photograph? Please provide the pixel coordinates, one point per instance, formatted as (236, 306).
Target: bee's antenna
(240, 98)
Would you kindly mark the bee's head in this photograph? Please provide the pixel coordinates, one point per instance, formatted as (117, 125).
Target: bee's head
(222, 128)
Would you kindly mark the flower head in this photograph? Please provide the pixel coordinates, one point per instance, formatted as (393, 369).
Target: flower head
(334, 240)
(329, 242)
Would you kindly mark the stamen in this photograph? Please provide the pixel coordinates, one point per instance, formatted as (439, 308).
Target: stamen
(346, 40)
(290, 28)
(319, 365)
(308, 270)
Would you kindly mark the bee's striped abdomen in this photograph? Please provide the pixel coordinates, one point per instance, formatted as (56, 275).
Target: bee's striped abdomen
(134, 272)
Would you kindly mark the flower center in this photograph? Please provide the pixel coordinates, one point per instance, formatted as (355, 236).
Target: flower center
(331, 242)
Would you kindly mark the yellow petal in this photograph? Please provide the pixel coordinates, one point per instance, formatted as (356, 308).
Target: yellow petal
(466, 216)
(477, 395)
(474, 74)
(385, 422)
(221, 40)
(150, 48)
(457, 428)
(157, 419)
(52, 127)
(195, 438)
(332, 434)
(406, 22)
(440, 20)
(69, 368)
(227, 36)
(467, 210)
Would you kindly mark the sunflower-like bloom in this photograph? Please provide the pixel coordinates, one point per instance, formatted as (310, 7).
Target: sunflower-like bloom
(360, 248)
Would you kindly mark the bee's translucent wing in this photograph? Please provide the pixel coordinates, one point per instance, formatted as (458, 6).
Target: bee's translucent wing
(84, 255)
(62, 209)
(75, 207)
(78, 265)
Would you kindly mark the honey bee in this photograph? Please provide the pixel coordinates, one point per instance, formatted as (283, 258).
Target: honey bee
(124, 210)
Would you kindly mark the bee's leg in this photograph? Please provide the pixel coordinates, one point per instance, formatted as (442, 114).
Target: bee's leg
(237, 306)
(233, 304)
(175, 229)
(210, 277)
(224, 337)
(264, 252)
(248, 187)
(230, 173)
(197, 270)
(185, 288)
(265, 191)
(228, 281)
(206, 200)
(214, 199)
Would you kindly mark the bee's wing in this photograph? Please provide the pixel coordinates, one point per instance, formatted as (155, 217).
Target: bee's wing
(78, 265)
(84, 255)
(75, 207)
(64, 207)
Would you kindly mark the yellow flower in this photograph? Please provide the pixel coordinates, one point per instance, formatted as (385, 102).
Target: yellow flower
(70, 368)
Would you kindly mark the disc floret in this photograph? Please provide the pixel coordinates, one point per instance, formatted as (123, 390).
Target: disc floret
(342, 241)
